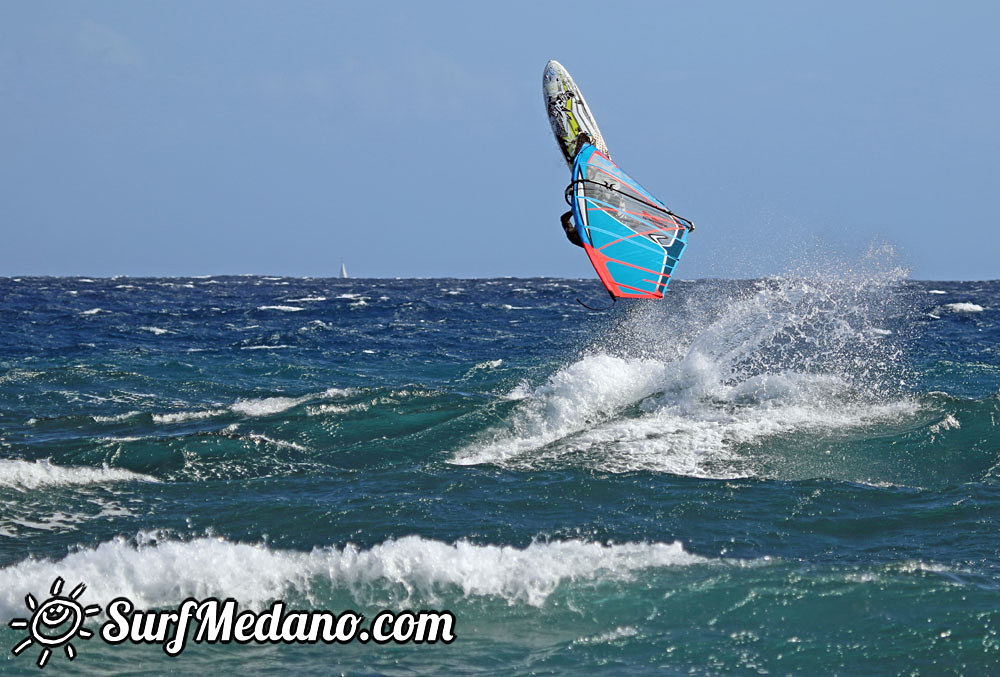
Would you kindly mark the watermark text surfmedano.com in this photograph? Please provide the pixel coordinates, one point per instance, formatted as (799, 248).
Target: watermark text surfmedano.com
(221, 622)
(54, 623)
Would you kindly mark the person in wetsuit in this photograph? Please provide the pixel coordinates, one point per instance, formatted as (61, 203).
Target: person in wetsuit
(572, 234)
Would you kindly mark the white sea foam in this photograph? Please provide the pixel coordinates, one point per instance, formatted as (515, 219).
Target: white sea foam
(93, 311)
(337, 408)
(307, 299)
(285, 309)
(622, 632)
(180, 416)
(687, 421)
(17, 375)
(963, 307)
(265, 406)
(936, 291)
(594, 387)
(257, 438)
(949, 422)
(116, 418)
(161, 573)
(28, 475)
(788, 357)
(60, 521)
(156, 330)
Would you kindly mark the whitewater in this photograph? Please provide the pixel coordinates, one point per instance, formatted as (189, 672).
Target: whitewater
(790, 474)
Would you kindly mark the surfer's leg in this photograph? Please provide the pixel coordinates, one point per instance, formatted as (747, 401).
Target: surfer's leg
(582, 139)
(571, 233)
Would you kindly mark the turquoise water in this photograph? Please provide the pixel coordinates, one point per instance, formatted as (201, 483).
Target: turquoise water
(790, 475)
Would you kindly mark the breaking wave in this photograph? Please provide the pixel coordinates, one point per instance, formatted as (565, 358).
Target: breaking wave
(29, 475)
(160, 573)
(687, 390)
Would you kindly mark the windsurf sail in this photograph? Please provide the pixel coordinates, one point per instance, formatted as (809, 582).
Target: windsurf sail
(632, 239)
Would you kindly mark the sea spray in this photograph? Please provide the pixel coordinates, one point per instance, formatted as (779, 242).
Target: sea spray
(684, 387)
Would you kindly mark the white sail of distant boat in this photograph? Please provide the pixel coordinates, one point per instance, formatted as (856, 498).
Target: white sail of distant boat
(343, 270)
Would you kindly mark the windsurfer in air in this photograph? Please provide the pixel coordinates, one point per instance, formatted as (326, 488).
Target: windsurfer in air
(630, 237)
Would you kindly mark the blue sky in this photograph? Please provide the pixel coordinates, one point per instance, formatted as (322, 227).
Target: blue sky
(184, 138)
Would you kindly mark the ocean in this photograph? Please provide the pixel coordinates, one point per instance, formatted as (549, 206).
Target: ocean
(790, 475)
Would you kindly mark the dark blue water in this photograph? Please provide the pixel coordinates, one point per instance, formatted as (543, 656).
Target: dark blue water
(770, 476)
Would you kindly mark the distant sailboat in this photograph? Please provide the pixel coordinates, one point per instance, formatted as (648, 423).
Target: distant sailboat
(343, 270)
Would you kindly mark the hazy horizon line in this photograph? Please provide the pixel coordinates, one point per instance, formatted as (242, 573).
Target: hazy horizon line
(17, 278)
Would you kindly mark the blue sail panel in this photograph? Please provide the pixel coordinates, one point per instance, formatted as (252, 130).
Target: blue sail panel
(632, 239)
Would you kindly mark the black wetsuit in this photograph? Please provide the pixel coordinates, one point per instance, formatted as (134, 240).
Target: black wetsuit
(571, 232)
(567, 219)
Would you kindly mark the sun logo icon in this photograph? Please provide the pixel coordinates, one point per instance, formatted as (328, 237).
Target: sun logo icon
(55, 622)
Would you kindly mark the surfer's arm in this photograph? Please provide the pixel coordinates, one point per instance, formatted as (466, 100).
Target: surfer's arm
(571, 233)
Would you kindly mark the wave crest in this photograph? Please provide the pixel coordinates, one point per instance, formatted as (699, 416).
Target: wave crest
(160, 573)
(29, 475)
